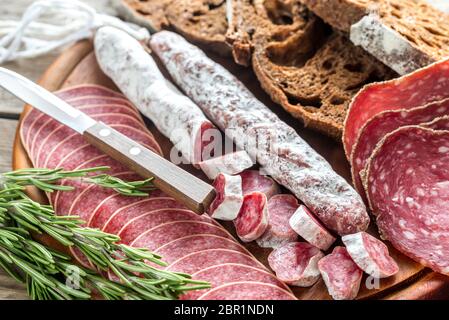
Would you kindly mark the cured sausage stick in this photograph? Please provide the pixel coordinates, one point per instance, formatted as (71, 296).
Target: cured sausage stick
(134, 71)
(280, 150)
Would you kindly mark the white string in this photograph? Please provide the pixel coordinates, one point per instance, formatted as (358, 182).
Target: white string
(47, 25)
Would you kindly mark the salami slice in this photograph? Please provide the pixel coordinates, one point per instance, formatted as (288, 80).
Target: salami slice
(231, 163)
(252, 220)
(203, 259)
(247, 290)
(278, 148)
(181, 247)
(408, 190)
(254, 180)
(441, 123)
(340, 274)
(280, 208)
(382, 124)
(159, 235)
(228, 199)
(310, 229)
(418, 88)
(370, 254)
(134, 228)
(228, 273)
(99, 100)
(175, 115)
(87, 90)
(296, 263)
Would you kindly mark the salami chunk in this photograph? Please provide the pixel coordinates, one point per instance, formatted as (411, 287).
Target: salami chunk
(230, 272)
(384, 123)
(277, 147)
(228, 199)
(252, 220)
(340, 274)
(407, 184)
(231, 163)
(310, 229)
(280, 208)
(254, 180)
(247, 290)
(418, 88)
(296, 263)
(370, 254)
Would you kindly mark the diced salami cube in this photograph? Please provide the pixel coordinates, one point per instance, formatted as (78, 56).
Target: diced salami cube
(252, 220)
(231, 163)
(296, 263)
(254, 180)
(229, 198)
(341, 274)
(310, 229)
(280, 208)
(370, 254)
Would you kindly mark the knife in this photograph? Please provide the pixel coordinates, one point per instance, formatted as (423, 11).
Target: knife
(193, 192)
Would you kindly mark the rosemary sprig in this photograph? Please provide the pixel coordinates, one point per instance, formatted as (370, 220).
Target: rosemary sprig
(42, 268)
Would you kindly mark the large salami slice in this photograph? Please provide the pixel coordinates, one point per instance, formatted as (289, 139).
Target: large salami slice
(87, 90)
(247, 290)
(296, 263)
(340, 274)
(441, 123)
(278, 232)
(231, 272)
(412, 90)
(370, 254)
(278, 148)
(384, 123)
(407, 184)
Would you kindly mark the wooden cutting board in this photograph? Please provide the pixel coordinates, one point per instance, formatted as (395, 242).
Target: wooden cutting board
(77, 65)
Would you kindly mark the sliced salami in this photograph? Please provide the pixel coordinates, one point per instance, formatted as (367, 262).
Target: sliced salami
(228, 199)
(370, 254)
(203, 259)
(418, 88)
(231, 163)
(408, 190)
(310, 229)
(252, 220)
(181, 247)
(87, 90)
(175, 115)
(296, 263)
(138, 226)
(228, 273)
(159, 234)
(340, 274)
(253, 127)
(280, 208)
(247, 290)
(382, 124)
(254, 180)
(441, 123)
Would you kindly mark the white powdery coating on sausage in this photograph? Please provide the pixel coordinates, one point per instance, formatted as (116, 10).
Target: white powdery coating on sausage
(387, 45)
(280, 150)
(310, 229)
(356, 248)
(231, 163)
(232, 201)
(134, 71)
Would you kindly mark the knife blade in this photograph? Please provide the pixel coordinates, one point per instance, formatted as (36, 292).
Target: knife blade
(176, 182)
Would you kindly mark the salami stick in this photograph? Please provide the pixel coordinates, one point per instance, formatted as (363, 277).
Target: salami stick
(280, 150)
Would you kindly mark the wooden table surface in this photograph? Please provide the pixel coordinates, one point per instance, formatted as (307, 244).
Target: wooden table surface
(11, 107)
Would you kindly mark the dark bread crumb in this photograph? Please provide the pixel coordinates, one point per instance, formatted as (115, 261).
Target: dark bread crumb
(149, 13)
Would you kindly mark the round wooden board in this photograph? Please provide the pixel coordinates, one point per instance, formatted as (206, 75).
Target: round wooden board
(77, 65)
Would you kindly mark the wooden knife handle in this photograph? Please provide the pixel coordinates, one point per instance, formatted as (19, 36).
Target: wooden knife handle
(176, 182)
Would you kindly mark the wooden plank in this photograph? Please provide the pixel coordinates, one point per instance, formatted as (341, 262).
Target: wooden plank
(9, 288)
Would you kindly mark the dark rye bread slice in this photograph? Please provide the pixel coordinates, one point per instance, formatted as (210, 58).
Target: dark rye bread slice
(422, 30)
(202, 22)
(312, 71)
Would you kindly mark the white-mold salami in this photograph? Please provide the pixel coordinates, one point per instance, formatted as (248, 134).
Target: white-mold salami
(296, 263)
(228, 199)
(231, 163)
(252, 220)
(310, 229)
(283, 154)
(254, 180)
(370, 254)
